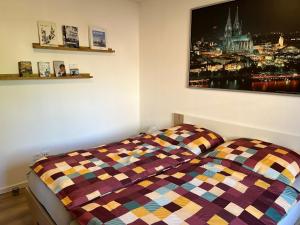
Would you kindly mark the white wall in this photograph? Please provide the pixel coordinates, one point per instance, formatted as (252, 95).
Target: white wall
(164, 54)
(58, 115)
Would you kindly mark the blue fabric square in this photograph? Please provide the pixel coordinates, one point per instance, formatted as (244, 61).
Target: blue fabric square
(273, 214)
(209, 196)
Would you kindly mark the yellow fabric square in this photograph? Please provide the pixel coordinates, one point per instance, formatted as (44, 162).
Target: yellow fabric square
(112, 205)
(69, 171)
(186, 153)
(66, 200)
(162, 213)
(102, 150)
(38, 168)
(48, 180)
(262, 184)
(178, 175)
(219, 177)
(162, 142)
(221, 155)
(213, 136)
(104, 176)
(84, 162)
(150, 219)
(192, 207)
(121, 176)
(140, 212)
(281, 151)
(84, 171)
(216, 220)
(90, 207)
(181, 201)
(288, 174)
(138, 169)
(73, 154)
(254, 212)
(114, 157)
(145, 183)
(63, 166)
(201, 177)
(161, 156)
(195, 161)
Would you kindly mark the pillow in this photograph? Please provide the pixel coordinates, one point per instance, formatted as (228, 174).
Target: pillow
(270, 160)
(197, 140)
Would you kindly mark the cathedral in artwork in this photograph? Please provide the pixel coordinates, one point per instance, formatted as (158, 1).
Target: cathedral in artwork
(234, 40)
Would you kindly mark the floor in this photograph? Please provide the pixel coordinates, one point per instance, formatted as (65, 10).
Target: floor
(14, 210)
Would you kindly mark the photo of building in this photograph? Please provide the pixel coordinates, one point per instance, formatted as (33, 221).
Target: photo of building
(256, 49)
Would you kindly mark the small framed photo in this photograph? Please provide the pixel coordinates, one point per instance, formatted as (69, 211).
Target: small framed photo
(59, 68)
(47, 33)
(44, 69)
(97, 38)
(70, 36)
(25, 69)
(74, 71)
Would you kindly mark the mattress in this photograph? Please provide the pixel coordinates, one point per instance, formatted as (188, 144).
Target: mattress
(50, 202)
(62, 217)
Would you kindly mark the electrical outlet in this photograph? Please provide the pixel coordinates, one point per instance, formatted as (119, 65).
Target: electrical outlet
(40, 155)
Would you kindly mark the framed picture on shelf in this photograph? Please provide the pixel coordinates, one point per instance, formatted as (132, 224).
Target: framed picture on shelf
(59, 68)
(47, 33)
(74, 71)
(44, 69)
(25, 68)
(97, 37)
(70, 36)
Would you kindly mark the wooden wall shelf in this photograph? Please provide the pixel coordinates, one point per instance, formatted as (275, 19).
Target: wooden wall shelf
(37, 77)
(63, 48)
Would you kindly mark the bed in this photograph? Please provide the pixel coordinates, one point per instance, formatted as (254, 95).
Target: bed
(51, 210)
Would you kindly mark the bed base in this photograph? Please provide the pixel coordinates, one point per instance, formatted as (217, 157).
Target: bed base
(39, 214)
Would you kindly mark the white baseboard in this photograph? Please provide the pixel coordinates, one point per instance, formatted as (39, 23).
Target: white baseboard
(7, 189)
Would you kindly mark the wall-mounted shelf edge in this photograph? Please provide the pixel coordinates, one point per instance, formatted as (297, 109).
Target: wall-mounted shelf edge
(37, 77)
(63, 48)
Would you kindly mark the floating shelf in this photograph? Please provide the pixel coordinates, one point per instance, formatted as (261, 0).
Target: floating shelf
(63, 48)
(37, 77)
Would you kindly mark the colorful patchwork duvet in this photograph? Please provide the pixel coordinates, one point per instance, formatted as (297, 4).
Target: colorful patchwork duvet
(206, 191)
(160, 179)
(81, 176)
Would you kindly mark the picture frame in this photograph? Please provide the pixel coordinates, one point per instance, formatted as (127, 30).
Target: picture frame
(245, 45)
(59, 68)
(70, 36)
(47, 33)
(97, 38)
(44, 69)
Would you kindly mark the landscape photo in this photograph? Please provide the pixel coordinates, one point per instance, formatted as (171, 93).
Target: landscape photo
(251, 45)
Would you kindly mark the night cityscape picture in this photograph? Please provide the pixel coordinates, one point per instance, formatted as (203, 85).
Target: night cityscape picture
(251, 45)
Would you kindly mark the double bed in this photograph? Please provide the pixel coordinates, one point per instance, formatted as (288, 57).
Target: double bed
(189, 185)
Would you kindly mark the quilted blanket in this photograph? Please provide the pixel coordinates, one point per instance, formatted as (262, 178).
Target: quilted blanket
(80, 176)
(206, 191)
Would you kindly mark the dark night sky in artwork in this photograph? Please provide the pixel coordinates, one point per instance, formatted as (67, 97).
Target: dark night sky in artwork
(257, 16)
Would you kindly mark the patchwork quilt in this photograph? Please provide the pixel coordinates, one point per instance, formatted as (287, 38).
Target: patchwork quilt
(80, 176)
(206, 191)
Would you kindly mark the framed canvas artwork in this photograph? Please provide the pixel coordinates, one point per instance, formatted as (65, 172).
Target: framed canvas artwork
(250, 45)
(47, 33)
(97, 38)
